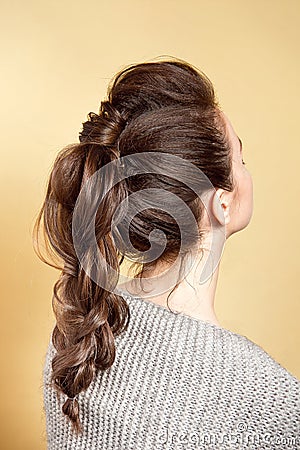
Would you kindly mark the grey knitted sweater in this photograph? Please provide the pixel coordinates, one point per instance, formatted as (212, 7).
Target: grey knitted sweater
(180, 383)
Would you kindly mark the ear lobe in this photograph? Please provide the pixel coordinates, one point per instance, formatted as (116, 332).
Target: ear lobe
(220, 207)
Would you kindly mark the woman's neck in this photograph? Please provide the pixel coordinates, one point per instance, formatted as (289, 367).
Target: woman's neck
(190, 297)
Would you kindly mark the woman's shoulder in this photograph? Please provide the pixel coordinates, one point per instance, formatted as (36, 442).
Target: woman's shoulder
(260, 357)
(266, 380)
(254, 356)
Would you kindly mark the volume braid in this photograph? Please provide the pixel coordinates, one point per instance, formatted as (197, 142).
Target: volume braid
(87, 316)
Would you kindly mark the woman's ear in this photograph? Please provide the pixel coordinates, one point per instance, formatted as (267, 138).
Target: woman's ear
(220, 206)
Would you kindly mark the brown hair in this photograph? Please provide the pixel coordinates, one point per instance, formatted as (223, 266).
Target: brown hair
(162, 106)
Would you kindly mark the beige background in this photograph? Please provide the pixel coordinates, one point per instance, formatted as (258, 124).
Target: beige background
(57, 58)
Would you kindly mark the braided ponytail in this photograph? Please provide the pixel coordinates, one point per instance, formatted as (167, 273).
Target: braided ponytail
(163, 107)
(87, 316)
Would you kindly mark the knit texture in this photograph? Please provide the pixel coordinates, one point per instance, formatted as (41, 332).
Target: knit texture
(180, 383)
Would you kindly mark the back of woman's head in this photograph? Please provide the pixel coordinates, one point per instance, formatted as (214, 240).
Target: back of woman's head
(167, 107)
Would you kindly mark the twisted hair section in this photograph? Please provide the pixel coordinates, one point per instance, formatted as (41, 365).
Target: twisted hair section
(168, 107)
(104, 128)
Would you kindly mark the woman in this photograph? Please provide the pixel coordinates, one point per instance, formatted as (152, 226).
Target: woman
(158, 177)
